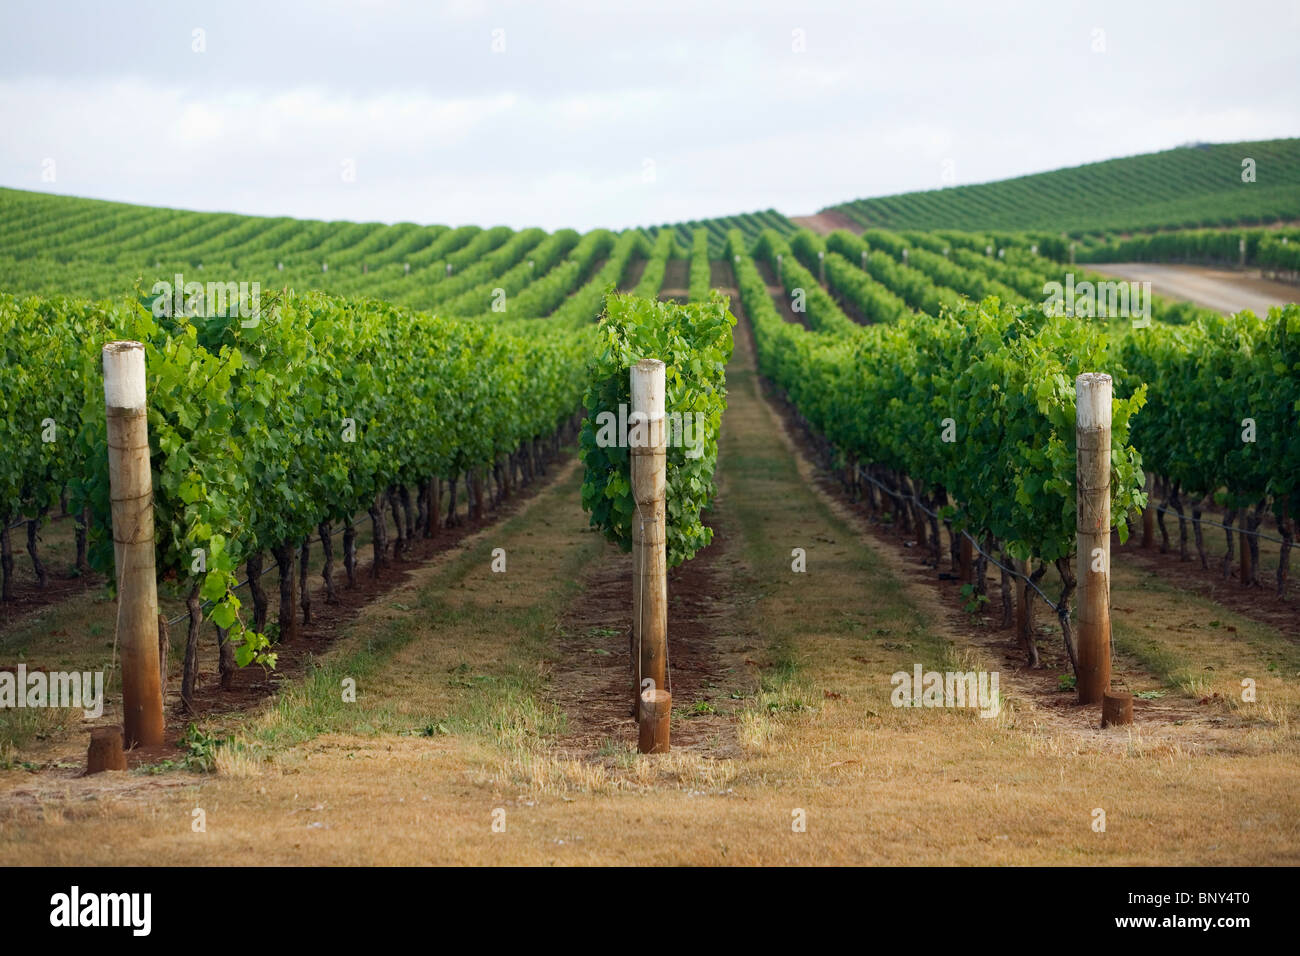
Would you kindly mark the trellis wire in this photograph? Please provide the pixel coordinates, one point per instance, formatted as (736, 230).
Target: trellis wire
(975, 544)
(265, 571)
(1215, 524)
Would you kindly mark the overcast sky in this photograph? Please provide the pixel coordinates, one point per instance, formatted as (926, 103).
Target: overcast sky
(609, 114)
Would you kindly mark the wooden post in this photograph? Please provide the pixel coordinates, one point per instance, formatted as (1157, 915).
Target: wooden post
(656, 709)
(105, 751)
(647, 446)
(1116, 709)
(821, 267)
(1092, 440)
(133, 542)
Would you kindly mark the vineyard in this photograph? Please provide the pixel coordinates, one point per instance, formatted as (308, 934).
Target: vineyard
(1186, 188)
(937, 440)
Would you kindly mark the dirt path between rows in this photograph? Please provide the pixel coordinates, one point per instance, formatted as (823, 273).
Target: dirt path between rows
(252, 685)
(677, 274)
(1259, 603)
(1224, 290)
(632, 275)
(783, 303)
(592, 678)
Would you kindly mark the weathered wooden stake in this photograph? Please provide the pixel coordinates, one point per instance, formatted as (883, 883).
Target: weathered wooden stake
(131, 492)
(656, 710)
(1116, 709)
(105, 751)
(647, 443)
(1092, 439)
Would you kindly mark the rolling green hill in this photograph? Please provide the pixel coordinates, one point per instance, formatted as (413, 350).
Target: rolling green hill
(1187, 187)
(93, 248)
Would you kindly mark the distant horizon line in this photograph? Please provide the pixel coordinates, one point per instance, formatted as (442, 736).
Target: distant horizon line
(1191, 144)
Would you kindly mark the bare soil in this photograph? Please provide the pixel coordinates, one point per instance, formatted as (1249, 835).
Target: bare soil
(677, 276)
(826, 221)
(632, 275)
(707, 666)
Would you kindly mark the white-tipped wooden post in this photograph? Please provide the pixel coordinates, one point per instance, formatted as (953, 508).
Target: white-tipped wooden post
(821, 267)
(131, 492)
(647, 445)
(1092, 439)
